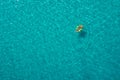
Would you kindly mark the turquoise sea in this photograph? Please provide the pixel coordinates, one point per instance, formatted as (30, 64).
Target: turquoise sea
(38, 40)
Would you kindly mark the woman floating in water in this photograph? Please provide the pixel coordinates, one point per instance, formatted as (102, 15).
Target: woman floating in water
(79, 28)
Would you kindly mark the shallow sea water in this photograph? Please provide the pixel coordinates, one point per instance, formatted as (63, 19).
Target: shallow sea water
(38, 40)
